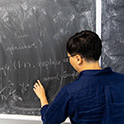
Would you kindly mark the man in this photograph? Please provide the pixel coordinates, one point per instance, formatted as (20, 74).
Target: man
(96, 97)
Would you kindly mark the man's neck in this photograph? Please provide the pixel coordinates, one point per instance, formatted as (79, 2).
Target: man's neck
(90, 66)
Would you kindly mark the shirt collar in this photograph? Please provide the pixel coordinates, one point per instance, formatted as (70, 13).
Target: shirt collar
(96, 72)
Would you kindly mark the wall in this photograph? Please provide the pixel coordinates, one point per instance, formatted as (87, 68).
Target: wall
(23, 119)
(112, 22)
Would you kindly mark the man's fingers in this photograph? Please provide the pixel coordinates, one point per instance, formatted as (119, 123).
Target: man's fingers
(39, 83)
(34, 89)
(36, 85)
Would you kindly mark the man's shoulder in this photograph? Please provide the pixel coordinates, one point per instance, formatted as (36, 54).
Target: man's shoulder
(73, 86)
(119, 76)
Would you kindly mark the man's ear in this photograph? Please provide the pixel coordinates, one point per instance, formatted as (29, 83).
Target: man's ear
(78, 59)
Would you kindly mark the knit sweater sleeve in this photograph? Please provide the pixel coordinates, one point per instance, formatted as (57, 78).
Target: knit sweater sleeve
(58, 110)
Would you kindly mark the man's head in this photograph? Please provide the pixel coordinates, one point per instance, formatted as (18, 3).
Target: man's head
(85, 44)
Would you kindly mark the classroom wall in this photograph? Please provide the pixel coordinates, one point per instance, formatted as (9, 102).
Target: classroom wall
(112, 21)
(23, 119)
(10, 121)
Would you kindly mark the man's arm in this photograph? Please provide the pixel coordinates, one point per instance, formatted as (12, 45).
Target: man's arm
(58, 110)
(40, 92)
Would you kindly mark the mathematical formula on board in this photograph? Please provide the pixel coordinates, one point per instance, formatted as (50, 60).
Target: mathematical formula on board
(33, 36)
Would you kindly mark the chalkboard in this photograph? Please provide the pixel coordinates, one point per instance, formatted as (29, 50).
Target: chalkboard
(33, 35)
(113, 34)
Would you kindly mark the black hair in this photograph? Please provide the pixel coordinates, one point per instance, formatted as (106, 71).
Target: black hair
(85, 43)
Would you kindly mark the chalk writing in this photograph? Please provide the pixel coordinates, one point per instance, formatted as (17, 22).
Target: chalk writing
(10, 7)
(40, 42)
(24, 5)
(24, 87)
(20, 47)
(4, 69)
(2, 90)
(11, 88)
(16, 98)
(20, 36)
(10, 83)
(48, 63)
(1, 93)
(61, 77)
(2, 36)
(66, 75)
(18, 64)
(50, 78)
(32, 45)
(3, 97)
(12, 92)
(3, 15)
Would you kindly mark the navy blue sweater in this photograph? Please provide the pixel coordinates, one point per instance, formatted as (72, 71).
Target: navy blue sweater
(96, 97)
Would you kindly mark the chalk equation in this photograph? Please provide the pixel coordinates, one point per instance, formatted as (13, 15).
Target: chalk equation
(11, 90)
(21, 36)
(46, 64)
(5, 69)
(16, 65)
(7, 91)
(61, 77)
(12, 48)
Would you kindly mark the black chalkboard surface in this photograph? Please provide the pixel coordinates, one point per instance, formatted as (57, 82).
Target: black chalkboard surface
(113, 34)
(33, 35)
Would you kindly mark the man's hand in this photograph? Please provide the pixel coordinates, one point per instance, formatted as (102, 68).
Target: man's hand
(40, 92)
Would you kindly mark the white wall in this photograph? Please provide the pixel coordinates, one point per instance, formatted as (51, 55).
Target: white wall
(19, 119)
(10, 121)
(13, 121)
(22, 119)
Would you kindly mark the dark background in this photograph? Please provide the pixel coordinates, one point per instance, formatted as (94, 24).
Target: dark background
(33, 35)
(113, 34)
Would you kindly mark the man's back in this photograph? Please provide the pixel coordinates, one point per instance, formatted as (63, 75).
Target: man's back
(97, 97)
